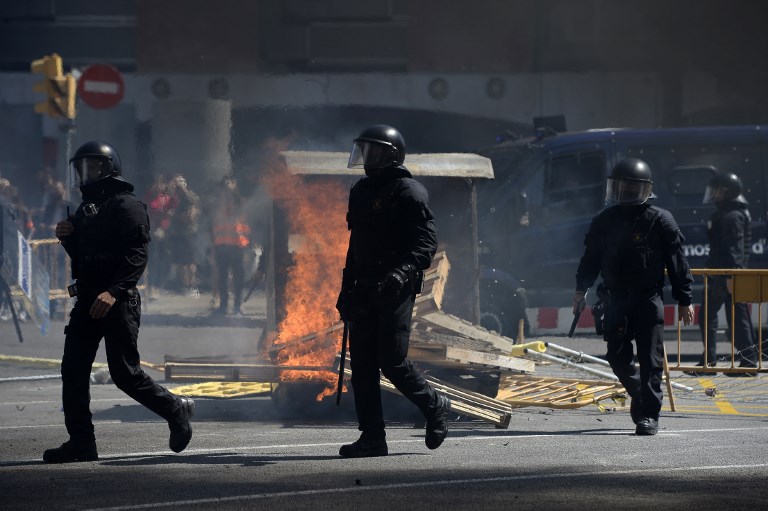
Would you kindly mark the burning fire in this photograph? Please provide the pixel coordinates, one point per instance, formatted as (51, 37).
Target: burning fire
(316, 214)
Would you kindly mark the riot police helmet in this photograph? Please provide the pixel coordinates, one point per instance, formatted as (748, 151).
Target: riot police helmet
(630, 182)
(94, 162)
(377, 147)
(723, 187)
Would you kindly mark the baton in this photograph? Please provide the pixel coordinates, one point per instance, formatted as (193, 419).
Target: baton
(340, 385)
(577, 315)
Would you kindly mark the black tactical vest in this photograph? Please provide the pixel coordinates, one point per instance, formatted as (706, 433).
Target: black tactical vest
(633, 256)
(376, 225)
(98, 243)
(721, 254)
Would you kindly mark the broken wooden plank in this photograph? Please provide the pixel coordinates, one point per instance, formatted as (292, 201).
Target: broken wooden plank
(561, 393)
(467, 329)
(422, 334)
(465, 356)
(463, 402)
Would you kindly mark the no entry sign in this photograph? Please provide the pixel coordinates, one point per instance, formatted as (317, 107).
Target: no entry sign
(101, 86)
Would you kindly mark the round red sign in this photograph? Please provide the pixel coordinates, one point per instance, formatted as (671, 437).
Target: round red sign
(101, 86)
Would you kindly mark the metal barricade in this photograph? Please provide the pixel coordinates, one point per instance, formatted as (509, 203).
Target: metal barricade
(55, 259)
(748, 286)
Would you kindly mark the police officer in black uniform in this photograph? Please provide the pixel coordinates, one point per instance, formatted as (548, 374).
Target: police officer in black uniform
(730, 242)
(631, 243)
(107, 241)
(392, 240)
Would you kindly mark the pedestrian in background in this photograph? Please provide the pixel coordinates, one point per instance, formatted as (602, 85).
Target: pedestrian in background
(182, 234)
(730, 241)
(230, 236)
(630, 243)
(53, 202)
(159, 205)
(107, 241)
(392, 241)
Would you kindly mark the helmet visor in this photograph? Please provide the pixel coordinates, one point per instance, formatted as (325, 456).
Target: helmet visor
(370, 155)
(714, 194)
(88, 170)
(624, 191)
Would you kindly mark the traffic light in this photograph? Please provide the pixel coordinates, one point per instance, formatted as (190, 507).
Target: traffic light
(59, 89)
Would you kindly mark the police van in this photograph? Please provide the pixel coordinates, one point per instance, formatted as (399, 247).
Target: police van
(533, 217)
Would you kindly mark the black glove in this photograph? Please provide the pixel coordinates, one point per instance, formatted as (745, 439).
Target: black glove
(391, 286)
(344, 302)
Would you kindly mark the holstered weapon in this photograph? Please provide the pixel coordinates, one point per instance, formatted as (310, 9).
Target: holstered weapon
(598, 309)
(417, 277)
(340, 385)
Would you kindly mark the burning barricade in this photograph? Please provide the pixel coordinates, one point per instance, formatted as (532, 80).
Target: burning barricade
(306, 251)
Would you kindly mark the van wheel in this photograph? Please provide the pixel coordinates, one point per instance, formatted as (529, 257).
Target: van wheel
(491, 321)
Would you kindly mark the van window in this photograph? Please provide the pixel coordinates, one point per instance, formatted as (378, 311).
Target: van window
(575, 185)
(689, 181)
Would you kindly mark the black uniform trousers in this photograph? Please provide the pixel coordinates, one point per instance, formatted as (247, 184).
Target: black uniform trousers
(229, 256)
(717, 296)
(120, 329)
(378, 339)
(639, 316)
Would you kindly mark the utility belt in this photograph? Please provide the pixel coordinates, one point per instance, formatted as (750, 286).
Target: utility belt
(604, 294)
(416, 279)
(83, 290)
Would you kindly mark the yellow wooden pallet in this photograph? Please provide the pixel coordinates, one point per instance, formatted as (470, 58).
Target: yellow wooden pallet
(219, 389)
(563, 393)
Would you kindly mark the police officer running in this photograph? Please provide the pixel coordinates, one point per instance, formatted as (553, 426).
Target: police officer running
(730, 238)
(107, 241)
(392, 240)
(631, 243)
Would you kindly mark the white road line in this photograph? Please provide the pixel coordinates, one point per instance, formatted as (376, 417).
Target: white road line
(31, 378)
(55, 425)
(244, 449)
(442, 482)
(58, 401)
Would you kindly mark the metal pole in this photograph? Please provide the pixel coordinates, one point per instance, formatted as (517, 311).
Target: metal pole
(589, 358)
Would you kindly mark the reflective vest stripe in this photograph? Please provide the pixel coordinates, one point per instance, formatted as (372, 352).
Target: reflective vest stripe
(235, 233)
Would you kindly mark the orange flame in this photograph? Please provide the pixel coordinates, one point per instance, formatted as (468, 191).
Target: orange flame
(316, 213)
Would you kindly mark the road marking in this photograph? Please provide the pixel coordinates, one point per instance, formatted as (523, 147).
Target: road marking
(722, 404)
(248, 448)
(58, 401)
(33, 426)
(442, 482)
(31, 378)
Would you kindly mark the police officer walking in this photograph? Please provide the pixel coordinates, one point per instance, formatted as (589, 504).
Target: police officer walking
(630, 243)
(392, 240)
(730, 238)
(107, 241)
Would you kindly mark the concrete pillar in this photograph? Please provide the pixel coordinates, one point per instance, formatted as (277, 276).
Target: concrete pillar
(192, 138)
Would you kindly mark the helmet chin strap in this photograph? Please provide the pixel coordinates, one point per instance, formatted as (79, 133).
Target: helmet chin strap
(374, 172)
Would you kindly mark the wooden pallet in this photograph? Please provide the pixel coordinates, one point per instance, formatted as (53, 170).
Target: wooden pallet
(564, 393)
(463, 402)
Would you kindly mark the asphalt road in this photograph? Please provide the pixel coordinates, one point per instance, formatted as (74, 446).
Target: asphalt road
(248, 453)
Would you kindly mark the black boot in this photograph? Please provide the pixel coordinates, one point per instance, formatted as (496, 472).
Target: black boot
(745, 363)
(647, 427)
(702, 374)
(181, 428)
(367, 446)
(437, 423)
(71, 451)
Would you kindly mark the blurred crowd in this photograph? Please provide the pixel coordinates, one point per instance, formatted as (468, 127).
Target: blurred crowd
(38, 221)
(202, 244)
(198, 245)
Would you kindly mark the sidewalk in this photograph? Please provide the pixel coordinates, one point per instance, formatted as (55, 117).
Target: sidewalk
(159, 301)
